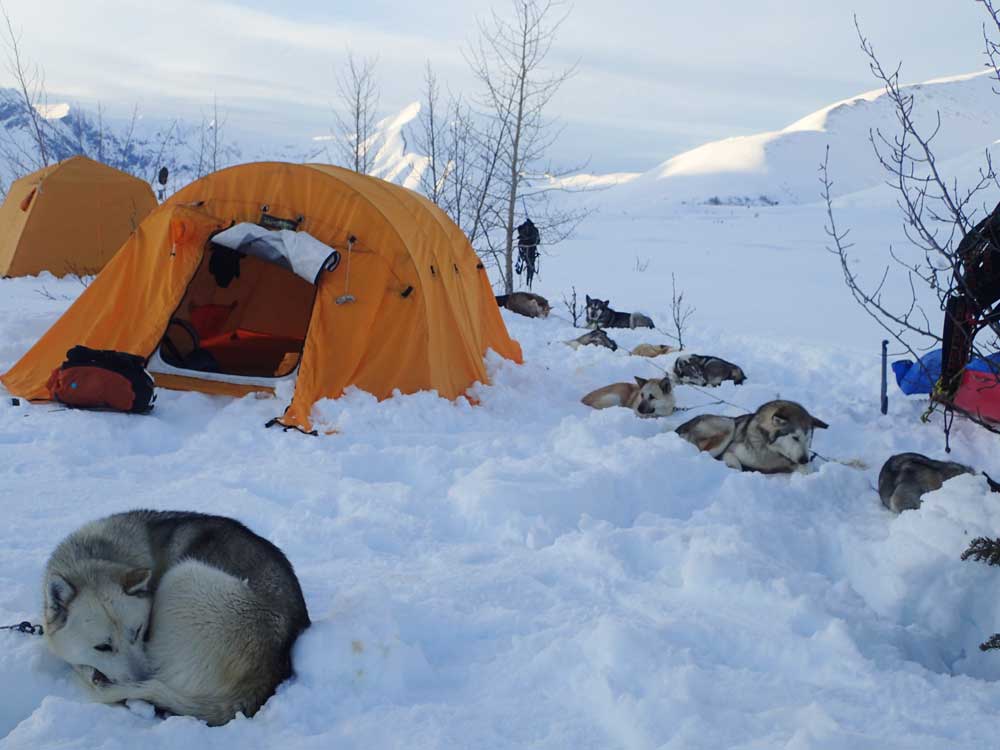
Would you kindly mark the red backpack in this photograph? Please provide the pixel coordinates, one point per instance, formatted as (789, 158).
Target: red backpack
(102, 379)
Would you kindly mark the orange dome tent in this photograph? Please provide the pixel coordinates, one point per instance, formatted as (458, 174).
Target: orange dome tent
(273, 271)
(69, 217)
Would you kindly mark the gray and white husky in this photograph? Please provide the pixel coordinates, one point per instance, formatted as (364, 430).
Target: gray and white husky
(600, 315)
(193, 613)
(906, 477)
(697, 369)
(775, 439)
(597, 337)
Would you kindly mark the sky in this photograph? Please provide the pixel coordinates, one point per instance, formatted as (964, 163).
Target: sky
(653, 78)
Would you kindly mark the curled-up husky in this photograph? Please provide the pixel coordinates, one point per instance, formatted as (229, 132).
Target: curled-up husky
(775, 439)
(696, 369)
(597, 337)
(600, 315)
(193, 613)
(906, 477)
(525, 303)
(652, 350)
(647, 398)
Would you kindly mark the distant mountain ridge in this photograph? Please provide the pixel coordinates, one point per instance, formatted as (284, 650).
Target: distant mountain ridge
(186, 147)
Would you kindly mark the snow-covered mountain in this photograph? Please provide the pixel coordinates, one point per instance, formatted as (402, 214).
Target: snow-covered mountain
(780, 167)
(188, 148)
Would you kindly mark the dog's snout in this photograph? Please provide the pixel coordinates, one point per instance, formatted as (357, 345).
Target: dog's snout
(99, 679)
(804, 460)
(645, 408)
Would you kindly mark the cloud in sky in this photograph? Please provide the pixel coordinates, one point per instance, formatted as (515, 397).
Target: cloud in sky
(654, 78)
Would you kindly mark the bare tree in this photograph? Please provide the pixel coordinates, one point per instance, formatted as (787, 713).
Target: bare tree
(464, 159)
(358, 94)
(509, 60)
(158, 160)
(680, 313)
(207, 144)
(29, 80)
(125, 155)
(431, 134)
(938, 214)
(572, 307)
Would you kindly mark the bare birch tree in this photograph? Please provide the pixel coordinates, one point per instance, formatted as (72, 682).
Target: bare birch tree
(358, 96)
(431, 133)
(509, 59)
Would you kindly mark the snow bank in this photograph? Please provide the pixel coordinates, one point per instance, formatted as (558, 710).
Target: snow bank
(530, 572)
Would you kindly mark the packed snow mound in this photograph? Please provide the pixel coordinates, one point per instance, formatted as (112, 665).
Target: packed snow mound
(781, 167)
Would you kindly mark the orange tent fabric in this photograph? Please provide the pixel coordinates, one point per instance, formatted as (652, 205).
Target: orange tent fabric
(69, 217)
(422, 317)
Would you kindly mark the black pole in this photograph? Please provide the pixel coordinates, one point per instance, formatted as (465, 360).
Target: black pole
(885, 382)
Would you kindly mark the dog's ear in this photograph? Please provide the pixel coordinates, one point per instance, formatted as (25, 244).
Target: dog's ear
(58, 594)
(819, 424)
(778, 420)
(640, 381)
(588, 299)
(666, 385)
(136, 581)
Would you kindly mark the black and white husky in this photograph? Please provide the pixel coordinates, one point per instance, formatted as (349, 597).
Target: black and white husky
(193, 613)
(600, 315)
(697, 369)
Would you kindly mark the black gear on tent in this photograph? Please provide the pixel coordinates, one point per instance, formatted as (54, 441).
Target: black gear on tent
(528, 240)
(970, 307)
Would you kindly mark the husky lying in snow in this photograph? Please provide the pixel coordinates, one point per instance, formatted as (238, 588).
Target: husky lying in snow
(525, 303)
(906, 477)
(695, 369)
(600, 315)
(647, 398)
(597, 337)
(775, 439)
(193, 613)
(651, 350)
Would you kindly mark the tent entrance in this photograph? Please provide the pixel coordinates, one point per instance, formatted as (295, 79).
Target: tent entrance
(242, 316)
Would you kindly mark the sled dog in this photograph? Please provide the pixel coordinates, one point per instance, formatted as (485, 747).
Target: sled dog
(525, 303)
(775, 439)
(600, 315)
(193, 613)
(647, 398)
(651, 350)
(597, 337)
(695, 369)
(906, 477)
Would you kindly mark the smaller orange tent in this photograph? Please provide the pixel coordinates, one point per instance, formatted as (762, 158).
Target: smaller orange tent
(308, 274)
(69, 217)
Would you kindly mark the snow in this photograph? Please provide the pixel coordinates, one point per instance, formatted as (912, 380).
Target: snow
(781, 166)
(531, 573)
(387, 147)
(53, 111)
